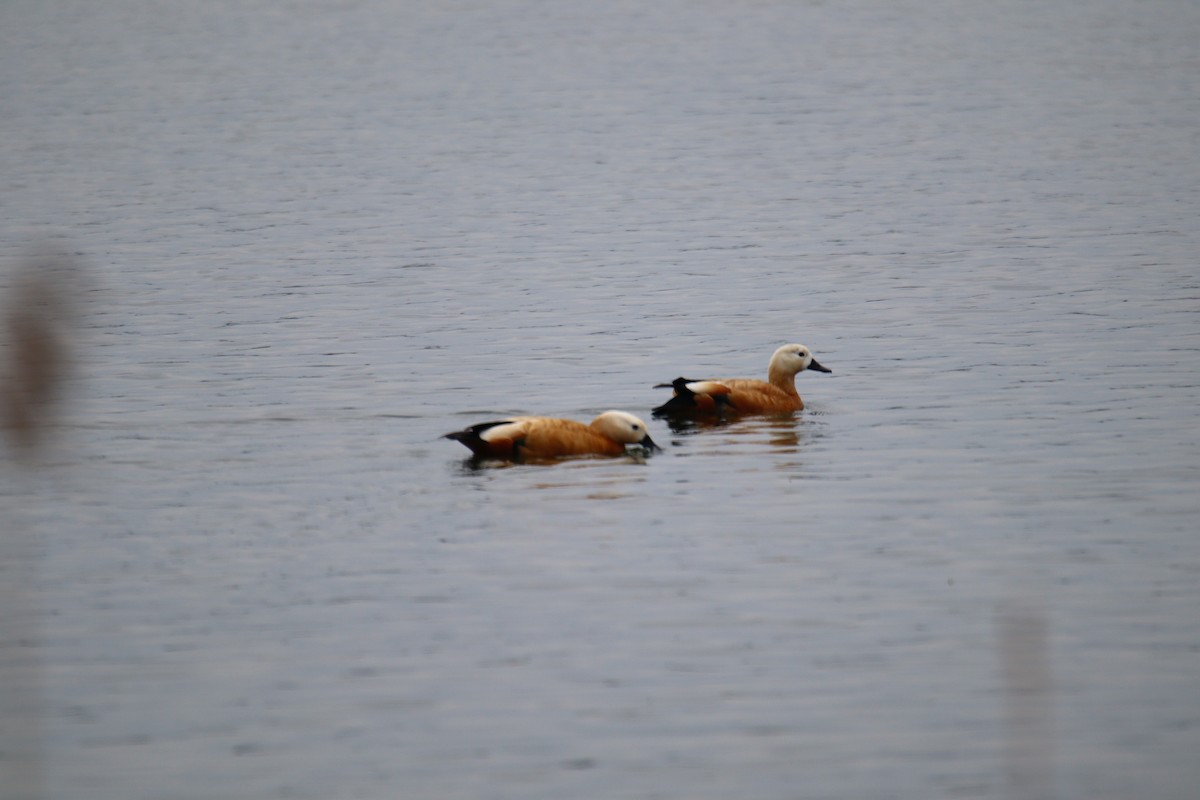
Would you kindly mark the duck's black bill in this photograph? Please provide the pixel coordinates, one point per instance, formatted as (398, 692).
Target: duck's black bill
(814, 364)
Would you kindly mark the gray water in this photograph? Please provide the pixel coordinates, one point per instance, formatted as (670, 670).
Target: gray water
(317, 236)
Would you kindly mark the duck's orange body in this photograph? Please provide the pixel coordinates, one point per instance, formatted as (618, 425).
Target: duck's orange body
(749, 396)
(746, 395)
(524, 438)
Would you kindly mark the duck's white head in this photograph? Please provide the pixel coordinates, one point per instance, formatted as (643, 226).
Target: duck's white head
(625, 428)
(794, 358)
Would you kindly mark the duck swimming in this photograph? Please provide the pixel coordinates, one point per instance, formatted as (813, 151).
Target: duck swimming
(745, 395)
(521, 438)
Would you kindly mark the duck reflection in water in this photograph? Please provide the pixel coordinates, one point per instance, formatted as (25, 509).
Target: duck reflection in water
(782, 433)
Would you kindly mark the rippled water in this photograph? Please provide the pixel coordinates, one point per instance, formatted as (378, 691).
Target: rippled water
(319, 236)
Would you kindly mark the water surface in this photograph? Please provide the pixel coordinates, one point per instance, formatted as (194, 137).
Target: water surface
(320, 236)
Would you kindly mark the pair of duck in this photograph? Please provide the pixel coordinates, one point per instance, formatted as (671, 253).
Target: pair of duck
(520, 438)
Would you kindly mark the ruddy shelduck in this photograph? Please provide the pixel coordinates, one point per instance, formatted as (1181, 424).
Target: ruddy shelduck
(745, 395)
(526, 438)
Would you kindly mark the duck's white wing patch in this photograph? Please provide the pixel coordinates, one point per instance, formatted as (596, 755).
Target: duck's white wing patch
(707, 387)
(511, 429)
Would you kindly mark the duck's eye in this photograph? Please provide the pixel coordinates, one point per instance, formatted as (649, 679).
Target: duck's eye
(637, 427)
